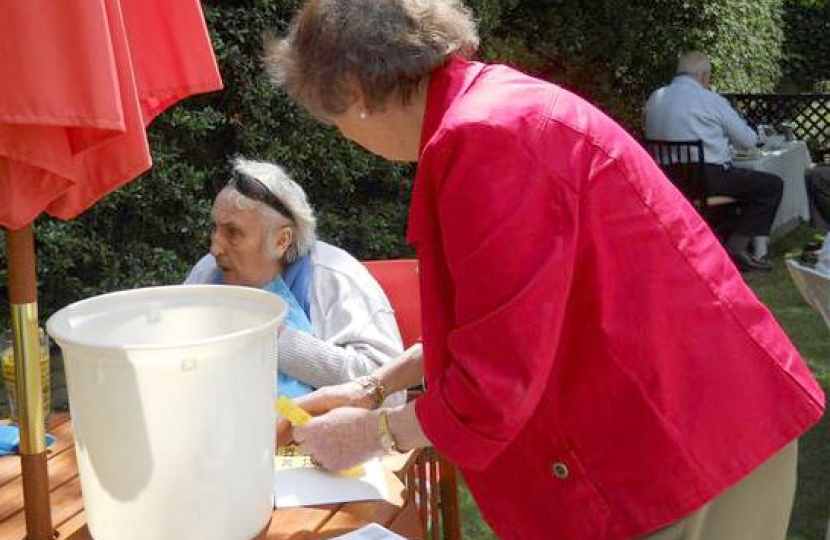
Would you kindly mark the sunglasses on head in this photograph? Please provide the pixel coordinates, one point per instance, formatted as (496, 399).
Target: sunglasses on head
(255, 190)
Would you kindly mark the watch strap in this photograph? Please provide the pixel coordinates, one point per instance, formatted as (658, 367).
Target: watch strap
(387, 440)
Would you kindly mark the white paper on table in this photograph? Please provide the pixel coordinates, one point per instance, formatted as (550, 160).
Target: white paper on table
(372, 531)
(304, 486)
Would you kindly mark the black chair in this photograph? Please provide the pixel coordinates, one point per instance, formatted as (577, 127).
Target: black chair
(683, 163)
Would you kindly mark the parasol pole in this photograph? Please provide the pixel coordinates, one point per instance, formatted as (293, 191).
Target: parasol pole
(20, 250)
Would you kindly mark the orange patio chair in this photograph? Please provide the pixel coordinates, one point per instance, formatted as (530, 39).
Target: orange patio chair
(399, 280)
(433, 477)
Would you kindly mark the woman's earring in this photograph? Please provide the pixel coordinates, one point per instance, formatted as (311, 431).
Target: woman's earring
(363, 115)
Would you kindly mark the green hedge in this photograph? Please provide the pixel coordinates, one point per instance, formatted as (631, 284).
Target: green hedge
(806, 67)
(615, 52)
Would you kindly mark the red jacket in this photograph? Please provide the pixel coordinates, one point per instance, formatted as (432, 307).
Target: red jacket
(595, 364)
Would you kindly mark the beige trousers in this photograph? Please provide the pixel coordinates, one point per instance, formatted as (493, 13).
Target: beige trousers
(756, 508)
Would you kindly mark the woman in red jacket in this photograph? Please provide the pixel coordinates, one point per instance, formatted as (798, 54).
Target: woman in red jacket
(594, 363)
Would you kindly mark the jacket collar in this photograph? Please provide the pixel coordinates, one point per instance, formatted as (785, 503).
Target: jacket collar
(446, 83)
(686, 79)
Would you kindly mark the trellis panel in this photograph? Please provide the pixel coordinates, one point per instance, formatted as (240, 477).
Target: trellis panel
(809, 115)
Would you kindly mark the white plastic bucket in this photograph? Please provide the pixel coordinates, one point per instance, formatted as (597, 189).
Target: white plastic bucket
(171, 392)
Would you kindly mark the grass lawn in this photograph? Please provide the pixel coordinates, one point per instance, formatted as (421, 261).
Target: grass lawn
(805, 327)
(808, 331)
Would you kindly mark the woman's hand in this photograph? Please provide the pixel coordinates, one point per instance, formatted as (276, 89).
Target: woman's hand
(349, 394)
(341, 438)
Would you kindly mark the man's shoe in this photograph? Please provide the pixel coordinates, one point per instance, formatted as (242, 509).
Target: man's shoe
(745, 262)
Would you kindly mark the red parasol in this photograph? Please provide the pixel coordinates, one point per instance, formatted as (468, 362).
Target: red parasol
(80, 81)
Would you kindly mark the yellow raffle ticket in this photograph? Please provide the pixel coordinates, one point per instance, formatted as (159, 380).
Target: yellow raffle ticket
(291, 457)
(292, 412)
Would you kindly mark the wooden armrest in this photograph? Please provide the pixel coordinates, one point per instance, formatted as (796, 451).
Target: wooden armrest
(719, 200)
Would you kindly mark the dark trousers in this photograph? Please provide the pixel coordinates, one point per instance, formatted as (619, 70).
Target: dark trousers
(757, 194)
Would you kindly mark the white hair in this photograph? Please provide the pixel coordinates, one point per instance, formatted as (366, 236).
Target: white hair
(289, 193)
(694, 63)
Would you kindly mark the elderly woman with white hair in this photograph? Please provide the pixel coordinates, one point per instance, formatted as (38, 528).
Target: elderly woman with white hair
(340, 326)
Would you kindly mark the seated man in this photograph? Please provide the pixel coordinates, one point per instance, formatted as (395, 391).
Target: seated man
(340, 325)
(687, 110)
(818, 191)
(823, 264)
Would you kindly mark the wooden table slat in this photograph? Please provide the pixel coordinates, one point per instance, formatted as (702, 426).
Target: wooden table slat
(299, 522)
(62, 468)
(302, 523)
(408, 523)
(74, 528)
(357, 514)
(66, 503)
(60, 427)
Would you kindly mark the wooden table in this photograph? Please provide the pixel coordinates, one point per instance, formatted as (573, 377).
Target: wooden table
(306, 523)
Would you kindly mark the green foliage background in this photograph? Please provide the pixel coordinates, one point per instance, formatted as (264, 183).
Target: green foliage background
(806, 46)
(616, 52)
(613, 52)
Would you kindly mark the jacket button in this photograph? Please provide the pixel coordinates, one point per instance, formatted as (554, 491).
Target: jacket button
(560, 470)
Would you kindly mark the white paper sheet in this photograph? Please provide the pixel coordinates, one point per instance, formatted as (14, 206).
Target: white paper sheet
(304, 486)
(372, 531)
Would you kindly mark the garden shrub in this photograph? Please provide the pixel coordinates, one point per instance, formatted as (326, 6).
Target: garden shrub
(615, 52)
(806, 65)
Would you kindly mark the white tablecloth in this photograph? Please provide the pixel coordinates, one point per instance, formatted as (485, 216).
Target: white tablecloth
(789, 163)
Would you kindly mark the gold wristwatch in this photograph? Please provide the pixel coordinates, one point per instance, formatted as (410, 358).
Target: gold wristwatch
(374, 388)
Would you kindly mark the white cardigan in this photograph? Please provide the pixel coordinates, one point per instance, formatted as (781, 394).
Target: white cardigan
(353, 323)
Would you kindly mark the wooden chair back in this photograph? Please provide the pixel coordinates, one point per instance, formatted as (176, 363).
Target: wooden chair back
(433, 479)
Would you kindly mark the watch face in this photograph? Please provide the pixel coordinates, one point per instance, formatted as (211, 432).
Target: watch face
(374, 389)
